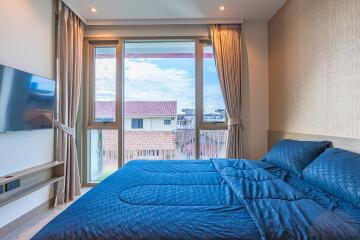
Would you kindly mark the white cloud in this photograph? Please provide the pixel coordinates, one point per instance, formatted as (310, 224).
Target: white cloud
(146, 80)
(105, 84)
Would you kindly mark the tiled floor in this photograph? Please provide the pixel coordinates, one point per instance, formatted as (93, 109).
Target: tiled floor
(28, 230)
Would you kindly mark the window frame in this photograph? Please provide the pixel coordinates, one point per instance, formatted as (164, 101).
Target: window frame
(90, 43)
(91, 99)
(205, 125)
(88, 101)
(200, 124)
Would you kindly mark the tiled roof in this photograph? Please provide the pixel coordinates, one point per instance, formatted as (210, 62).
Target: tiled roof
(149, 140)
(150, 108)
(138, 108)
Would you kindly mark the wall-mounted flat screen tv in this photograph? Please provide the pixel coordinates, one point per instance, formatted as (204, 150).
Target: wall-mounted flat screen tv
(26, 100)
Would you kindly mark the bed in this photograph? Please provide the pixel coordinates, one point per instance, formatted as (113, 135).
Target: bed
(212, 199)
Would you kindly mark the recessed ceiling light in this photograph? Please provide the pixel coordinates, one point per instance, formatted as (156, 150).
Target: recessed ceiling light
(93, 9)
(222, 8)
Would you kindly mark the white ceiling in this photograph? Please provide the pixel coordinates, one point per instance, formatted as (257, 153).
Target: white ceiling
(172, 11)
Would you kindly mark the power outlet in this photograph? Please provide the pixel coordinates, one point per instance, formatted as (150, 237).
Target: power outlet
(12, 185)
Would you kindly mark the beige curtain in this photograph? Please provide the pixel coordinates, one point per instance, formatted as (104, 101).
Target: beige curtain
(69, 74)
(226, 41)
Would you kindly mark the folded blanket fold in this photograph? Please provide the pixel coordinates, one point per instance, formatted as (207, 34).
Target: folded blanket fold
(279, 210)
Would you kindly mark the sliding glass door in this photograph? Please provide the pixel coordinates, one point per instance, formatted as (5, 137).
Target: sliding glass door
(104, 115)
(212, 133)
(152, 100)
(159, 100)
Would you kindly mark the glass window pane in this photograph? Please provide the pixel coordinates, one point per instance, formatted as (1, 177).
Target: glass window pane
(214, 107)
(137, 123)
(159, 88)
(213, 143)
(105, 84)
(103, 153)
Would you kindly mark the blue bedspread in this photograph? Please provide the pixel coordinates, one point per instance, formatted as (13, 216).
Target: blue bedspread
(279, 210)
(199, 200)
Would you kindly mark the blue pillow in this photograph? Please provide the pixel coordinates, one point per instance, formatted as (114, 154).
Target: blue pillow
(336, 171)
(294, 155)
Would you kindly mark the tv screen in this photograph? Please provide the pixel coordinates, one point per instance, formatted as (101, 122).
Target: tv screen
(26, 100)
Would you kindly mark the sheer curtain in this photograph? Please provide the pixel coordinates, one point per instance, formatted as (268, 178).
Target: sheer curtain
(69, 75)
(226, 41)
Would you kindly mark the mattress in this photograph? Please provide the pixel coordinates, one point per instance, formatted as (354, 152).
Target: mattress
(191, 199)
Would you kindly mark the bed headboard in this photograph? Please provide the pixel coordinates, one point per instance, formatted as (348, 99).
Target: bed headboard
(350, 144)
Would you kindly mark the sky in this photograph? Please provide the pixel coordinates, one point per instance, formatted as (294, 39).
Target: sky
(160, 79)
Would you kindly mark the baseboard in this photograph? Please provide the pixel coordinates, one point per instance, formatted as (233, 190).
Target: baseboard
(12, 226)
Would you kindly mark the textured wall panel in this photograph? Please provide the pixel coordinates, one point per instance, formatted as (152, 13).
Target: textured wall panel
(314, 68)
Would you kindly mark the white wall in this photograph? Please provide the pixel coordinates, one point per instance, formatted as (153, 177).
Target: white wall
(255, 88)
(151, 124)
(27, 43)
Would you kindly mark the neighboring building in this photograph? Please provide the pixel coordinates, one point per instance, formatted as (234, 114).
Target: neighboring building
(154, 130)
(212, 142)
(150, 116)
(150, 129)
(186, 120)
(140, 115)
(217, 116)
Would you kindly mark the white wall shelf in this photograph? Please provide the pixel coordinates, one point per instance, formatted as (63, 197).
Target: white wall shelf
(31, 179)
